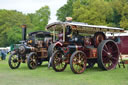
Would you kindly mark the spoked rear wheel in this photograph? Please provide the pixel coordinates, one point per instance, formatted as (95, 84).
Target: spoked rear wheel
(108, 55)
(98, 37)
(14, 61)
(32, 61)
(58, 62)
(78, 62)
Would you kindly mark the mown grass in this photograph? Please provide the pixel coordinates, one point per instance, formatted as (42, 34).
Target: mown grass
(44, 76)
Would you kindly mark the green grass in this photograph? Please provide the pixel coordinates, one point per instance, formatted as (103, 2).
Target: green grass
(44, 76)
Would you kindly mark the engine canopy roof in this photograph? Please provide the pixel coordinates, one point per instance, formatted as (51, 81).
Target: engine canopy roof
(82, 27)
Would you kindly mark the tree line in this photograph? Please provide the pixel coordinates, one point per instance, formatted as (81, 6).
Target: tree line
(11, 21)
(96, 12)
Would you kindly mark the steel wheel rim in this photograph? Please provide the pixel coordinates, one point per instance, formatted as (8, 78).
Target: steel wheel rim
(14, 60)
(33, 61)
(79, 62)
(58, 61)
(110, 55)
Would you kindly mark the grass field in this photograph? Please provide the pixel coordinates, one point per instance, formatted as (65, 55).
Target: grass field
(44, 76)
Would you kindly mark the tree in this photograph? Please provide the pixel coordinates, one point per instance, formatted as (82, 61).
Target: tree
(10, 26)
(65, 11)
(97, 12)
(40, 18)
(121, 12)
(11, 21)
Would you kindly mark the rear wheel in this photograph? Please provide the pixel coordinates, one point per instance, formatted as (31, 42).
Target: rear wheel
(57, 61)
(32, 61)
(108, 55)
(78, 62)
(14, 61)
(98, 38)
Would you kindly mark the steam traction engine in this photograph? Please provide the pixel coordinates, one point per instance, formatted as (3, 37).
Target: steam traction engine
(33, 50)
(82, 45)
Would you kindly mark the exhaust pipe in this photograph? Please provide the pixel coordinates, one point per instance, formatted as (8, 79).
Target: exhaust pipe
(24, 32)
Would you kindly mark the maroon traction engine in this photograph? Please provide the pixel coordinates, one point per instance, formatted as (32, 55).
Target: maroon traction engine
(82, 45)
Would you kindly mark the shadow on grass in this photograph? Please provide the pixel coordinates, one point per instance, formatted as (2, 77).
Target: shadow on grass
(25, 67)
(68, 71)
(94, 69)
(44, 65)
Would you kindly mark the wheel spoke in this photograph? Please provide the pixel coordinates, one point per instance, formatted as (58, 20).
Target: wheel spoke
(105, 51)
(113, 58)
(56, 64)
(15, 64)
(79, 56)
(115, 51)
(105, 59)
(111, 47)
(106, 47)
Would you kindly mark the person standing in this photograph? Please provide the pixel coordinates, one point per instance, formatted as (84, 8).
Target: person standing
(68, 29)
(0, 55)
(3, 55)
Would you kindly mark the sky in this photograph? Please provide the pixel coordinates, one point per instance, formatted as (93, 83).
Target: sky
(30, 6)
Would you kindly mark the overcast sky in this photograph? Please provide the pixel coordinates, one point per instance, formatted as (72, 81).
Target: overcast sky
(30, 6)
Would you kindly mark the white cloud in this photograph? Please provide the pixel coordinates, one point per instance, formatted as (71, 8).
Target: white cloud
(30, 6)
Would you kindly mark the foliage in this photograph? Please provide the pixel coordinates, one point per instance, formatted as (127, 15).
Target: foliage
(97, 12)
(11, 21)
(121, 9)
(10, 26)
(65, 11)
(40, 18)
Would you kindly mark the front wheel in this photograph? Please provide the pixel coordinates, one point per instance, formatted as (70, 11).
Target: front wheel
(14, 61)
(78, 62)
(32, 60)
(57, 61)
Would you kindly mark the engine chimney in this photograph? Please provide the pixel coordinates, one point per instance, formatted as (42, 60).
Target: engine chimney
(24, 32)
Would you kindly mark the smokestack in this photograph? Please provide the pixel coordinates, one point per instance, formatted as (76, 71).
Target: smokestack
(24, 32)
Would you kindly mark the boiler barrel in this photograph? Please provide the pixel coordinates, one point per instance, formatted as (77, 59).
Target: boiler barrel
(73, 48)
